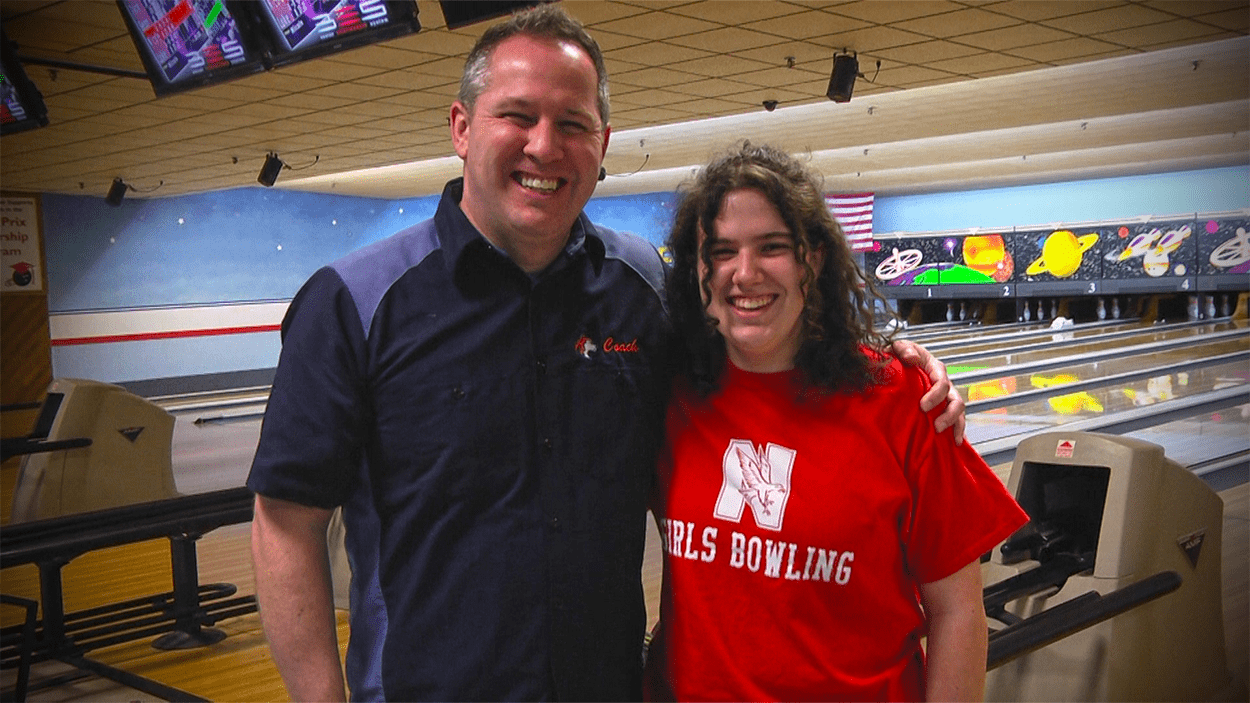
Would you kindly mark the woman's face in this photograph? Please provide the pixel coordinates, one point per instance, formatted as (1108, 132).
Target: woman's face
(755, 283)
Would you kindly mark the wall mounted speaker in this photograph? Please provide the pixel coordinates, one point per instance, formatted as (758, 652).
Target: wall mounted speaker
(842, 81)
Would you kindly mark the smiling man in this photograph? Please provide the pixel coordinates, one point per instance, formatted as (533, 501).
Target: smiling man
(532, 141)
(483, 395)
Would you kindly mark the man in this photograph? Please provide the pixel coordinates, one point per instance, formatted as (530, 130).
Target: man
(483, 393)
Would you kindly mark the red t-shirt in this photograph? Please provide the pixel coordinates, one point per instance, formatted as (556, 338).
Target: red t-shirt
(796, 536)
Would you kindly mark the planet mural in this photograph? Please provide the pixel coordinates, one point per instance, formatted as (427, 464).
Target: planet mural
(905, 268)
(1171, 240)
(1153, 251)
(899, 263)
(987, 254)
(946, 274)
(1137, 246)
(1062, 254)
(1233, 255)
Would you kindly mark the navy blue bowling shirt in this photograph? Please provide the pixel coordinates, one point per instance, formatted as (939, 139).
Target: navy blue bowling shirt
(492, 437)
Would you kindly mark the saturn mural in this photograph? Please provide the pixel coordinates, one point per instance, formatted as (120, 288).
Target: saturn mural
(1062, 254)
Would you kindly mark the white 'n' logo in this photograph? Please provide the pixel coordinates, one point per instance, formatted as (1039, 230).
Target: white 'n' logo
(756, 477)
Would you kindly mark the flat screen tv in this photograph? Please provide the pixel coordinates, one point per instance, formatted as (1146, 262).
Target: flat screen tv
(189, 44)
(297, 30)
(462, 13)
(21, 104)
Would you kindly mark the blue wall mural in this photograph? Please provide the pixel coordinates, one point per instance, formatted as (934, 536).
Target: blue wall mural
(246, 244)
(256, 245)
(1186, 192)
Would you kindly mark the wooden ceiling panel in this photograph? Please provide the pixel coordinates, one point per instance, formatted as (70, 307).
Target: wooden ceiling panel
(1163, 35)
(898, 12)
(1109, 19)
(808, 25)
(721, 66)
(1041, 10)
(1066, 50)
(958, 23)
(689, 77)
(656, 25)
(657, 54)
(1016, 36)
(596, 12)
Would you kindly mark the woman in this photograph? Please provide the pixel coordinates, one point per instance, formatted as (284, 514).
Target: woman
(816, 527)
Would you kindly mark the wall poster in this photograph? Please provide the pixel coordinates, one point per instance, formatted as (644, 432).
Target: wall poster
(22, 257)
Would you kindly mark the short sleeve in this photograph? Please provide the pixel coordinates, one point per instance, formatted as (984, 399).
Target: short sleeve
(960, 508)
(311, 440)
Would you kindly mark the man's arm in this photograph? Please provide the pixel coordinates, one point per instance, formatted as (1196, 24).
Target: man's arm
(943, 390)
(958, 636)
(296, 599)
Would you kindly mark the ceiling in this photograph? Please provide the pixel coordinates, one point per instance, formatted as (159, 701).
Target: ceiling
(969, 93)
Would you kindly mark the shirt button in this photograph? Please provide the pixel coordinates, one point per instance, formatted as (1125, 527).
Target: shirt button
(548, 444)
(554, 523)
(457, 393)
(542, 367)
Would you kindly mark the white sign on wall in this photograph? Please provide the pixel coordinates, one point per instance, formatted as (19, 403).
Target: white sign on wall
(19, 238)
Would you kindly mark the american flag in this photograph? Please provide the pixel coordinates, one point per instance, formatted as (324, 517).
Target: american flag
(854, 212)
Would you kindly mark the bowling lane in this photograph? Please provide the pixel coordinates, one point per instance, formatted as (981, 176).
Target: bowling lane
(1193, 441)
(1022, 337)
(984, 389)
(213, 443)
(1116, 396)
(953, 333)
(1061, 347)
(975, 339)
(215, 435)
(1199, 442)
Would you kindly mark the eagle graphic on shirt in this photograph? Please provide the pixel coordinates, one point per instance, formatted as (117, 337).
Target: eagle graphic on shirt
(584, 346)
(758, 477)
(757, 485)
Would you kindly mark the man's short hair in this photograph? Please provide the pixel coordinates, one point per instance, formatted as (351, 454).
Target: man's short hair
(546, 21)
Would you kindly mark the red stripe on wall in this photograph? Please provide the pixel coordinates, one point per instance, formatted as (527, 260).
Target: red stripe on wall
(176, 334)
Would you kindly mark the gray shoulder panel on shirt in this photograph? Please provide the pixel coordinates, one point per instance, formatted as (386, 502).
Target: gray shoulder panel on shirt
(637, 253)
(370, 271)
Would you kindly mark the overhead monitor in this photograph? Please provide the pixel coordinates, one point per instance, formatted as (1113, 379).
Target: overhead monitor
(297, 30)
(187, 44)
(21, 104)
(459, 13)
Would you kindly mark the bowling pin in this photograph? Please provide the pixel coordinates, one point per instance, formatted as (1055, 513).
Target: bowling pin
(1102, 310)
(1193, 307)
(1115, 308)
(950, 312)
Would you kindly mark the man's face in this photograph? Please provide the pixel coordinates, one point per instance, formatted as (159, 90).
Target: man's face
(532, 145)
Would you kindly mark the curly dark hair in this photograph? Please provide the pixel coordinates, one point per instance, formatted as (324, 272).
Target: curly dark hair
(840, 349)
